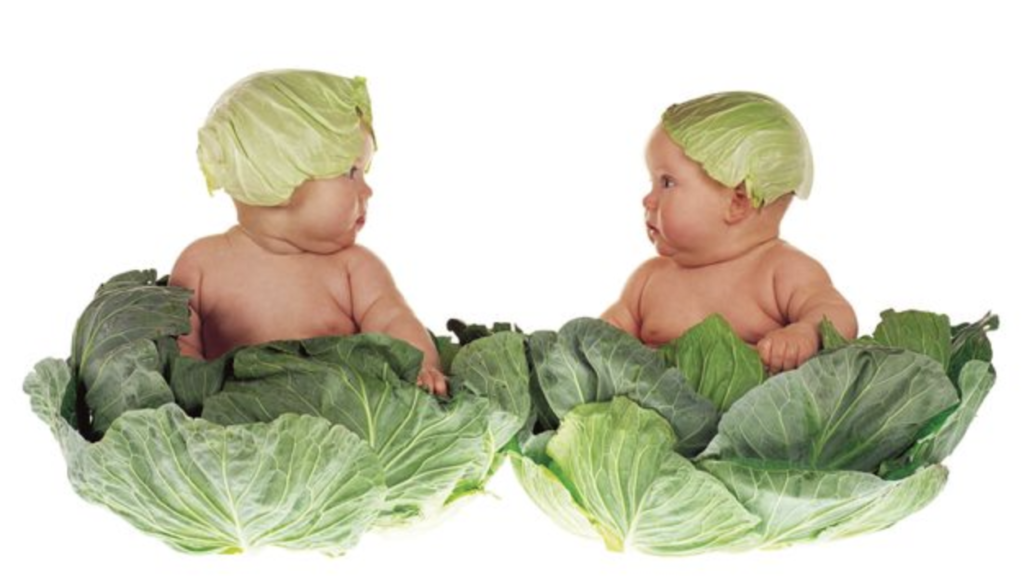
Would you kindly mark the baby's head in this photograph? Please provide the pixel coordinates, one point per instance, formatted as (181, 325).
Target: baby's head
(281, 142)
(722, 166)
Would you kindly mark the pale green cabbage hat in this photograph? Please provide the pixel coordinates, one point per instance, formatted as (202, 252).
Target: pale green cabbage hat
(744, 137)
(274, 130)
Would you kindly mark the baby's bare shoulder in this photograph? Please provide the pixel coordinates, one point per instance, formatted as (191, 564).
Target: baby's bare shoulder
(785, 256)
(357, 259)
(646, 270)
(638, 281)
(365, 271)
(654, 266)
(196, 256)
(370, 282)
(203, 248)
(792, 268)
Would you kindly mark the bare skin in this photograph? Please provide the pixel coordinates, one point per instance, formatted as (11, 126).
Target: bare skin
(719, 254)
(294, 271)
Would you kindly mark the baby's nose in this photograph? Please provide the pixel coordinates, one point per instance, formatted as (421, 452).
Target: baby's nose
(649, 201)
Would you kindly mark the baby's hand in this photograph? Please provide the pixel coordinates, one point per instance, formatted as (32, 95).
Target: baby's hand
(787, 348)
(433, 380)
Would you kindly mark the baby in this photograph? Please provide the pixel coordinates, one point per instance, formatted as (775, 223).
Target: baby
(291, 148)
(724, 169)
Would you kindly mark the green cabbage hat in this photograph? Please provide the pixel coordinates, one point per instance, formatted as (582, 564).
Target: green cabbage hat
(744, 137)
(274, 130)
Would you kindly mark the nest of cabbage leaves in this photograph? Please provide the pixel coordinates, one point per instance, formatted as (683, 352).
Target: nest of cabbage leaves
(692, 448)
(299, 444)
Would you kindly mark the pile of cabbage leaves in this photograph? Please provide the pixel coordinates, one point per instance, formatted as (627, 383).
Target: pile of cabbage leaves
(692, 448)
(299, 444)
(679, 450)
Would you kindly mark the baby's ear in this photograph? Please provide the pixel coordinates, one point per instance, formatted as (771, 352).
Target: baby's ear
(740, 205)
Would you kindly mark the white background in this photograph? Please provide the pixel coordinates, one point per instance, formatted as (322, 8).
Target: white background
(508, 186)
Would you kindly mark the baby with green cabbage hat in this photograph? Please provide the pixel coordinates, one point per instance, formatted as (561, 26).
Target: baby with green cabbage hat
(291, 148)
(272, 131)
(724, 168)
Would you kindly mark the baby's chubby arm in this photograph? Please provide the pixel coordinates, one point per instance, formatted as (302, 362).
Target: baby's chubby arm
(377, 306)
(805, 295)
(624, 314)
(187, 273)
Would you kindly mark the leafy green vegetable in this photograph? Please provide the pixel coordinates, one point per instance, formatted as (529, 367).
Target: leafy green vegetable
(496, 370)
(225, 489)
(446, 351)
(274, 130)
(831, 338)
(550, 492)
(970, 342)
(801, 505)
(207, 488)
(590, 361)
(301, 444)
(619, 458)
(848, 443)
(937, 441)
(717, 362)
(542, 416)
(467, 333)
(49, 386)
(424, 448)
(127, 308)
(193, 381)
(744, 138)
(611, 472)
(922, 332)
(127, 379)
(895, 502)
(113, 352)
(311, 443)
(849, 409)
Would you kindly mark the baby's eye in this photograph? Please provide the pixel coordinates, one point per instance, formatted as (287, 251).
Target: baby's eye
(667, 182)
(352, 172)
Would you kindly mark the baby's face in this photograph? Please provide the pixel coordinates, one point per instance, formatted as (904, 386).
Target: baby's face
(326, 214)
(685, 209)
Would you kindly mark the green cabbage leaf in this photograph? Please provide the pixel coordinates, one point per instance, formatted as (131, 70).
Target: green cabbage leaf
(850, 442)
(298, 444)
(273, 130)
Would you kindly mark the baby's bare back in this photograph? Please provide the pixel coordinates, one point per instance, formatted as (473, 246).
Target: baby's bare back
(675, 298)
(249, 296)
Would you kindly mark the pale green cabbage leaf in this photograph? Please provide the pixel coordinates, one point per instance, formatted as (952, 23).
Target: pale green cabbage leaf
(301, 444)
(591, 361)
(851, 442)
(744, 138)
(274, 130)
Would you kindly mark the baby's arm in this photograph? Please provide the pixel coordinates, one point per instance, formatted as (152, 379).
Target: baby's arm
(624, 314)
(187, 274)
(805, 295)
(377, 306)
